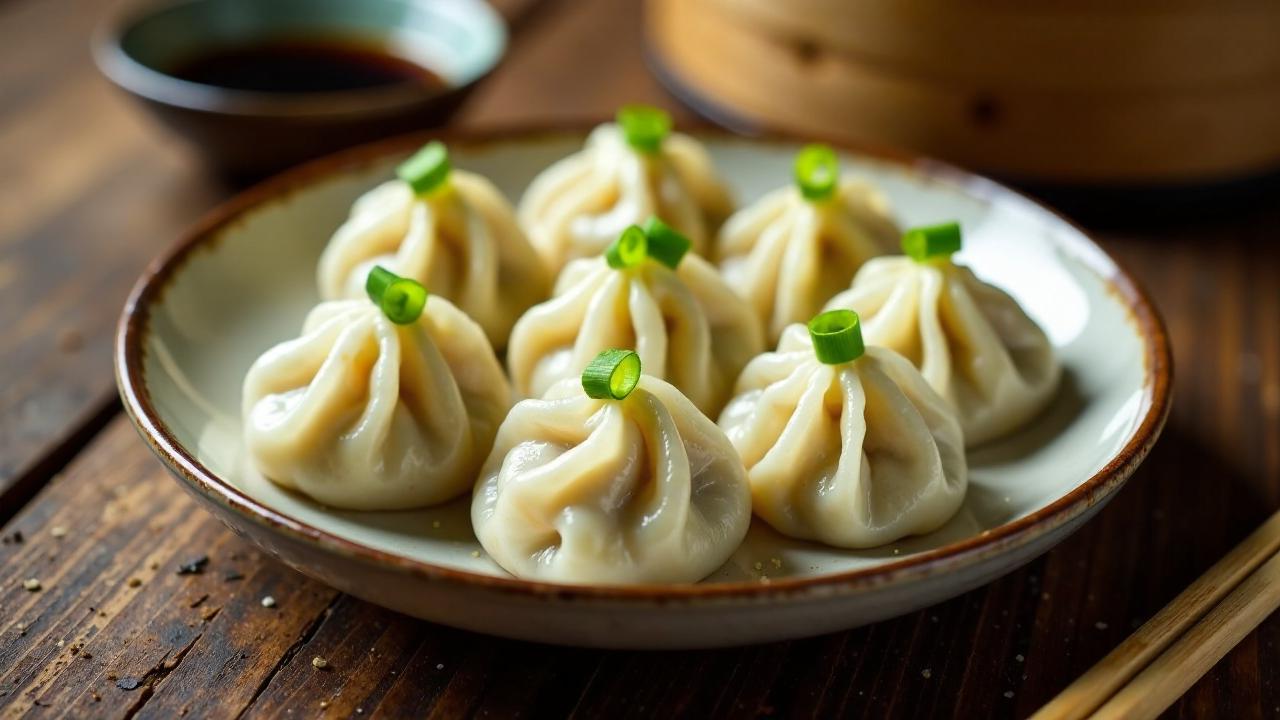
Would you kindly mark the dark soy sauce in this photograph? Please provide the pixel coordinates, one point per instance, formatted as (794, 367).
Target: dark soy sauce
(303, 65)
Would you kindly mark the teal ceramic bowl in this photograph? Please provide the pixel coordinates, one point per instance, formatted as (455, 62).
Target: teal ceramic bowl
(251, 133)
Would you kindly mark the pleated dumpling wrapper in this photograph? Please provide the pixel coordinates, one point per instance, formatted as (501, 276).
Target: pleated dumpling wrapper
(449, 229)
(614, 477)
(789, 252)
(382, 406)
(646, 293)
(627, 172)
(971, 341)
(843, 444)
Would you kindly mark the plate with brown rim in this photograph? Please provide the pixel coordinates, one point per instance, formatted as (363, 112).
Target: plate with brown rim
(243, 278)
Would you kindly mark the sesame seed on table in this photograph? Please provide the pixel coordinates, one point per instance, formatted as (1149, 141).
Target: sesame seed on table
(119, 597)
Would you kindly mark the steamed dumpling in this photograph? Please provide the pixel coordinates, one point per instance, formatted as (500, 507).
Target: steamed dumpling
(689, 327)
(970, 340)
(854, 455)
(459, 238)
(640, 490)
(788, 253)
(576, 207)
(363, 414)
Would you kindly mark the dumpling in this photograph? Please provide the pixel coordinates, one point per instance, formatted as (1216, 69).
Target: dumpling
(970, 340)
(843, 444)
(797, 246)
(627, 172)
(611, 478)
(689, 327)
(449, 229)
(377, 408)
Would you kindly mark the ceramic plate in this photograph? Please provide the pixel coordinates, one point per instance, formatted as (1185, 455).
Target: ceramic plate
(244, 278)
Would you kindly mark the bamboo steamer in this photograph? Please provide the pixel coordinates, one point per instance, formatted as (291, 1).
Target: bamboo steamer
(1088, 92)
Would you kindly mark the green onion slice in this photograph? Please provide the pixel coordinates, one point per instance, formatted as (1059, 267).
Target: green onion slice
(427, 169)
(629, 250)
(817, 172)
(666, 245)
(644, 127)
(400, 299)
(837, 336)
(932, 241)
(613, 374)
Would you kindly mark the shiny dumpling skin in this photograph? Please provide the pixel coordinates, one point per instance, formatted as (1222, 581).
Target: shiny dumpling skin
(363, 414)
(687, 325)
(854, 455)
(972, 342)
(788, 255)
(580, 204)
(640, 490)
(462, 242)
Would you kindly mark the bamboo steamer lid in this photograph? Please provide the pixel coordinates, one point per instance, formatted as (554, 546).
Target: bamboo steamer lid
(994, 86)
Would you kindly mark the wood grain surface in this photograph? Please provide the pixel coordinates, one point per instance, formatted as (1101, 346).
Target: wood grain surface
(90, 191)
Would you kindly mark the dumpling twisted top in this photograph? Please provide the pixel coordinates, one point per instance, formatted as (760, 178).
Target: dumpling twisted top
(788, 255)
(461, 241)
(580, 204)
(972, 342)
(363, 414)
(640, 490)
(854, 455)
(687, 325)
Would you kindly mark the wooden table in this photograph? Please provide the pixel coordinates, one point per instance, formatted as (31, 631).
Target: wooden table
(90, 191)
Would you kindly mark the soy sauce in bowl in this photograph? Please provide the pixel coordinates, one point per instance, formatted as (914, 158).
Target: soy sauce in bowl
(304, 65)
(257, 86)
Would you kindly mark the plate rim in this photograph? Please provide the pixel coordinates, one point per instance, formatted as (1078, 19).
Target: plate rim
(134, 325)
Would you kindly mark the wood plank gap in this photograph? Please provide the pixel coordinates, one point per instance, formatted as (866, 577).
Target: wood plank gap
(157, 674)
(303, 640)
(27, 482)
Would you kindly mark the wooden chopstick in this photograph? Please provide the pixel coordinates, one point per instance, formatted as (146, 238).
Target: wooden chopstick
(1091, 690)
(1178, 668)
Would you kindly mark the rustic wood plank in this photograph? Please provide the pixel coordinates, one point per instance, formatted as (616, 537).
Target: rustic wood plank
(80, 214)
(55, 367)
(1000, 651)
(116, 628)
(36, 62)
(1218, 285)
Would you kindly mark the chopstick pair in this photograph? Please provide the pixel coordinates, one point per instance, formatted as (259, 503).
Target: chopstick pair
(1151, 669)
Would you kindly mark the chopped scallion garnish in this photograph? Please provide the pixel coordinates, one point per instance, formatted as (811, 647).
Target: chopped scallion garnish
(644, 127)
(837, 336)
(666, 245)
(613, 374)
(817, 171)
(932, 242)
(629, 250)
(400, 299)
(427, 170)
(655, 240)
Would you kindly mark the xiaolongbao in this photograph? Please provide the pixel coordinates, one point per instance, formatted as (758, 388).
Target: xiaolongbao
(970, 340)
(797, 246)
(449, 229)
(614, 483)
(362, 413)
(689, 327)
(626, 173)
(847, 447)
